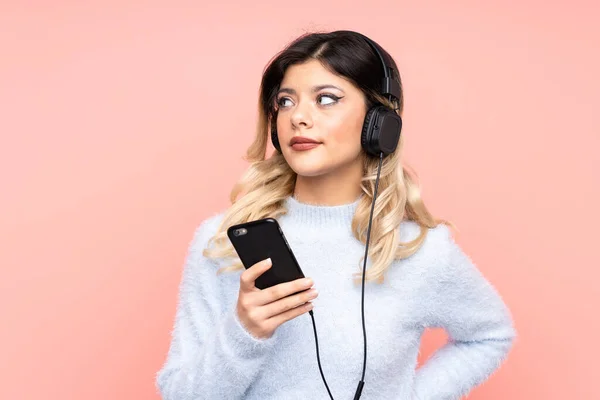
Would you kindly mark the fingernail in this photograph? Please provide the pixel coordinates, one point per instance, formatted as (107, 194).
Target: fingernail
(268, 261)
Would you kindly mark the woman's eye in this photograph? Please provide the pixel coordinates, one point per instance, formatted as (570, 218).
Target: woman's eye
(281, 101)
(333, 99)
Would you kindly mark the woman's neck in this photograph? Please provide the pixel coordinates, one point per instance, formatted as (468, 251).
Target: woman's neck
(336, 188)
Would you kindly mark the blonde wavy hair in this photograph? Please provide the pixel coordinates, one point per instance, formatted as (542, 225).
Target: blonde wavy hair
(265, 185)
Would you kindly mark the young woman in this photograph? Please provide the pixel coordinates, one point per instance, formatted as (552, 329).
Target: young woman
(232, 340)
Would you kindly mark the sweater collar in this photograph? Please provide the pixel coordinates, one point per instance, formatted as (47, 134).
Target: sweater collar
(320, 216)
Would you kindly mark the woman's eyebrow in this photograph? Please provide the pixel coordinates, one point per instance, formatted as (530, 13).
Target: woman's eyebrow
(314, 89)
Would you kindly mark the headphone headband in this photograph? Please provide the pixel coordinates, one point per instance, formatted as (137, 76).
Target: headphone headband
(390, 85)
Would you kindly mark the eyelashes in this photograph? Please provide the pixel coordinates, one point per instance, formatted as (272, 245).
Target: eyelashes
(280, 101)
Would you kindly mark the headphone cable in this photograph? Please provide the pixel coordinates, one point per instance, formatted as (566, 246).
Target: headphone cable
(361, 384)
(318, 358)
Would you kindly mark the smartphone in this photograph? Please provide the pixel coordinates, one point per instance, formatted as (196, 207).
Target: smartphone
(258, 240)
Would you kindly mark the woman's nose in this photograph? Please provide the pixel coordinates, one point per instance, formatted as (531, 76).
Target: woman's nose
(301, 116)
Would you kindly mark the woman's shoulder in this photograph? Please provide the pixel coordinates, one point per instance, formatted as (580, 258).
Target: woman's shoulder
(207, 228)
(410, 230)
(440, 253)
(435, 247)
(204, 230)
(211, 223)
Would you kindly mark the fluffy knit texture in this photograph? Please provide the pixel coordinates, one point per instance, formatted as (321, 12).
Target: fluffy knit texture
(212, 355)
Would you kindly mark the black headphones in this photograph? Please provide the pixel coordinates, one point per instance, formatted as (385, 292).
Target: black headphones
(382, 125)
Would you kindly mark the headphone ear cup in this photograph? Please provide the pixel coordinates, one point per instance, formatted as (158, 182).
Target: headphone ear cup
(381, 131)
(367, 132)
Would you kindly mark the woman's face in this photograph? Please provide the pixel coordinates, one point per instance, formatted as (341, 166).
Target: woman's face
(318, 105)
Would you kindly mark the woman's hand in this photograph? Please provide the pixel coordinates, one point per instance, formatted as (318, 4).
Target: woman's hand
(262, 311)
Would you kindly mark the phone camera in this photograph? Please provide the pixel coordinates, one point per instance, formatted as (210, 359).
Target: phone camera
(240, 232)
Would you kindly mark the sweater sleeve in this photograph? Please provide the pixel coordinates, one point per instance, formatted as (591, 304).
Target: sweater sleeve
(478, 323)
(211, 354)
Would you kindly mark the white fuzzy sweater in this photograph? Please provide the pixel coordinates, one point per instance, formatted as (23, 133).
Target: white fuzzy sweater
(212, 356)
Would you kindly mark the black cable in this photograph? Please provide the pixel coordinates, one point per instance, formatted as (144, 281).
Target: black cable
(318, 358)
(362, 380)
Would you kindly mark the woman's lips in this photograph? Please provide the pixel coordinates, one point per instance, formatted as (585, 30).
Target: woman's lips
(304, 146)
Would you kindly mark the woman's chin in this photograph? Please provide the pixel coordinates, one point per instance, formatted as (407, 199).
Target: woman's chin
(307, 169)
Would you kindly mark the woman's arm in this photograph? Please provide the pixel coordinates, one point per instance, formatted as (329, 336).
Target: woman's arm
(211, 355)
(479, 324)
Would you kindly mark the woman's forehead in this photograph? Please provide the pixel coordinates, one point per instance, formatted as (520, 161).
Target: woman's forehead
(312, 74)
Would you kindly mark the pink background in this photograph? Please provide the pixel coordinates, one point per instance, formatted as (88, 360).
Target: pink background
(124, 125)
